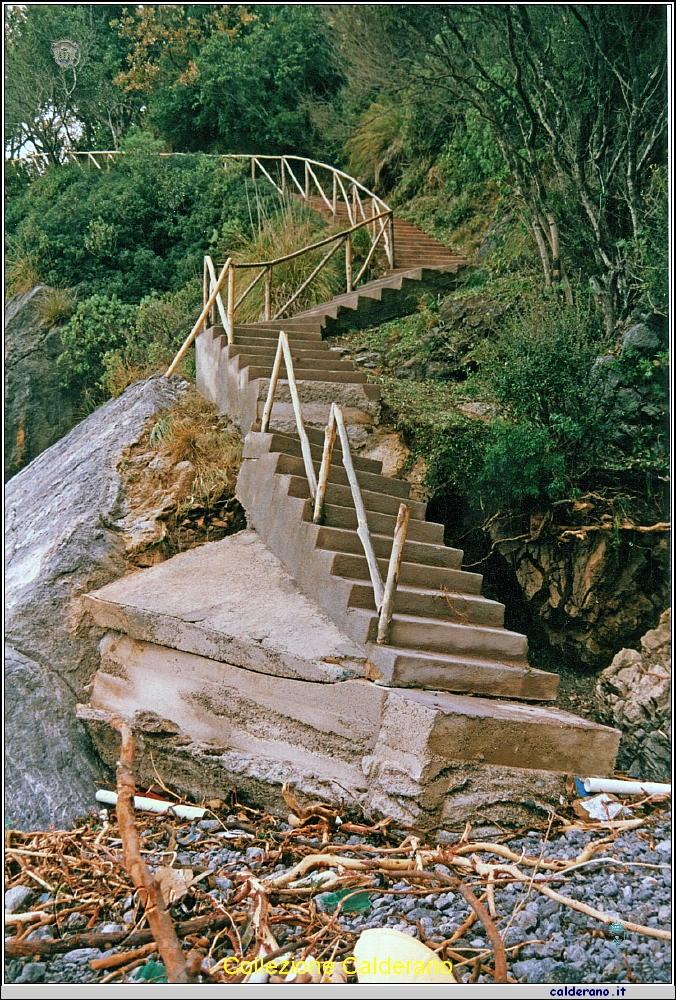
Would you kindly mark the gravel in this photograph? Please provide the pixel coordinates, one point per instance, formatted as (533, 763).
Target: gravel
(558, 945)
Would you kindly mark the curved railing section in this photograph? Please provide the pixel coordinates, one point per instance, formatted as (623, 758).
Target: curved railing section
(311, 180)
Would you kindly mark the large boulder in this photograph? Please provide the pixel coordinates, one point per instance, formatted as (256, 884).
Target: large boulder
(64, 537)
(38, 410)
(634, 693)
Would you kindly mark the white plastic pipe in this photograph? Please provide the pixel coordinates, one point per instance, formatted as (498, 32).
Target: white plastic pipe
(153, 805)
(616, 787)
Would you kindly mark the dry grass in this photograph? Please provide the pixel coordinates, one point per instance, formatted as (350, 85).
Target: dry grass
(56, 306)
(289, 228)
(192, 432)
(197, 501)
(21, 269)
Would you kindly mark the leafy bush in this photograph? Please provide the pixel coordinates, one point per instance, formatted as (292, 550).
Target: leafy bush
(101, 324)
(141, 226)
(161, 325)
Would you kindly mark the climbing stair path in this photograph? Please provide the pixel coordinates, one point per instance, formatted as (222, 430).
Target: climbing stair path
(265, 643)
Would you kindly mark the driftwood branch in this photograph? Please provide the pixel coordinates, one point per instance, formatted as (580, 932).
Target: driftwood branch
(500, 974)
(94, 939)
(158, 916)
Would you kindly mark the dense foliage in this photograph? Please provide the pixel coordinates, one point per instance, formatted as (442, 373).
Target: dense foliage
(532, 138)
(143, 225)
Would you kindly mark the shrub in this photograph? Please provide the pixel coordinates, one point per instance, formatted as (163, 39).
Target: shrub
(100, 325)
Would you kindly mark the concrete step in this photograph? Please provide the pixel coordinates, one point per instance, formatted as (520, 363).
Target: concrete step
(463, 609)
(307, 374)
(285, 444)
(268, 343)
(423, 553)
(301, 333)
(336, 516)
(354, 567)
(301, 362)
(342, 496)
(302, 329)
(395, 667)
(318, 357)
(290, 465)
(433, 635)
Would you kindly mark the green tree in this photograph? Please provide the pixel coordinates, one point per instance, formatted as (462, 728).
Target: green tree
(230, 79)
(575, 97)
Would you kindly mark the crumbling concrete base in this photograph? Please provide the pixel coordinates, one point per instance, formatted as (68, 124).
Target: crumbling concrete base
(428, 759)
(460, 792)
(205, 771)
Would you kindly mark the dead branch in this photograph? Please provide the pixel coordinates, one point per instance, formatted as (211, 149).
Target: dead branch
(500, 974)
(158, 916)
(94, 939)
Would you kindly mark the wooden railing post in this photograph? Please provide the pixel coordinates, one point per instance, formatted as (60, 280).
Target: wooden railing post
(322, 483)
(253, 168)
(284, 350)
(231, 304)
(267, 411)
(348, 263)
(393, 569)
(362, 523)
(390, 227)
(307, 180)
(205, 289)
(219, 301)
(198, 325)
(283, 162)
(335, 193)
(268, 294)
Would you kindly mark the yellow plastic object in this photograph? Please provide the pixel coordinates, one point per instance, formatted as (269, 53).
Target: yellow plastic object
(383, 955)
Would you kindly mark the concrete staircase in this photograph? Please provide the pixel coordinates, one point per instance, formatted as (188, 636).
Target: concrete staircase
(264, 643)
(444, 634)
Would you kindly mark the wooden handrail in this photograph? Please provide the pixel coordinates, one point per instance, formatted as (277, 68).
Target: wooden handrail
(393, 569)
(362, 523)
(320, 265)
(312, 168)
(203, 315)
(384, 596)
(283, 350)
(315, 246)
(219, 301)
(324, 469)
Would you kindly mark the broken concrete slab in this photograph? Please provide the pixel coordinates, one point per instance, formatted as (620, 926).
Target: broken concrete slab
(431, 725)
(261, 714)
(444, 758)
(206, 770)
(397, 749)
(231, 601)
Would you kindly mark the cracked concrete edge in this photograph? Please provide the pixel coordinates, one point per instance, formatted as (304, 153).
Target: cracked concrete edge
(448, 794)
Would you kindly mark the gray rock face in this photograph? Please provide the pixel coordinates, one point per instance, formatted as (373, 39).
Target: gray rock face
(62, 540)
(634, 692)
(643, 338)
(37, 410)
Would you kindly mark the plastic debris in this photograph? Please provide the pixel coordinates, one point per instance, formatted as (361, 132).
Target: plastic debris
(383, 955)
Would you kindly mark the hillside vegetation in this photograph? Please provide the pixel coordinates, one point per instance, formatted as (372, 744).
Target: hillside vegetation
(530, 139)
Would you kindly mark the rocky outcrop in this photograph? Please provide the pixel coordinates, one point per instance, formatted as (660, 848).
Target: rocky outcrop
(64, 515)
(38, 411)
(634, 693)
(584, 592)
